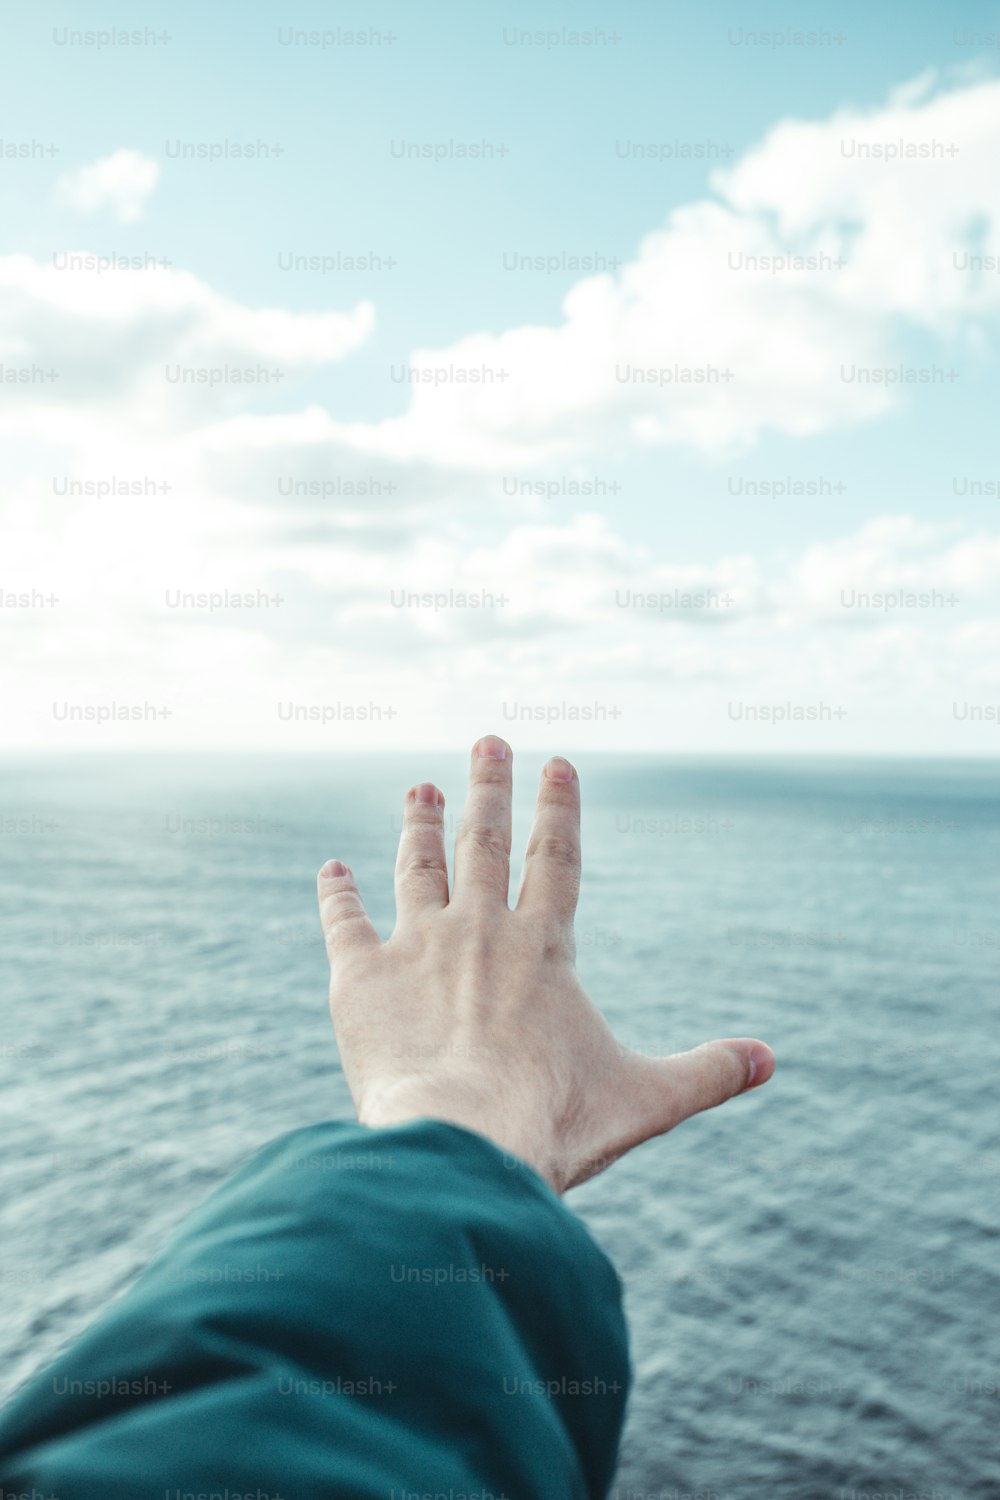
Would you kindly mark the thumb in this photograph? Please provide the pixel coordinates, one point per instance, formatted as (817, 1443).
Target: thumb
(709, 1075)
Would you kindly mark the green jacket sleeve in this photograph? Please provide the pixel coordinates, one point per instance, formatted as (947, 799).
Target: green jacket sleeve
(369, 1314)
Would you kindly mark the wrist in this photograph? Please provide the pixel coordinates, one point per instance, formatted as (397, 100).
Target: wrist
(400, 1105)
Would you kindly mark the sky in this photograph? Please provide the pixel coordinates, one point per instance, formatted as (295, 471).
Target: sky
(617, 379)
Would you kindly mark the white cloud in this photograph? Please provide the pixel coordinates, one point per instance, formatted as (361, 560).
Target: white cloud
(121, 183)
(439, 523)
(569, 631)
(144, 347)
(688, 300)
(901, 221)
(685, 346)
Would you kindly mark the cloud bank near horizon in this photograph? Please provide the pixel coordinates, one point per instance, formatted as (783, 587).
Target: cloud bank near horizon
(757, 310)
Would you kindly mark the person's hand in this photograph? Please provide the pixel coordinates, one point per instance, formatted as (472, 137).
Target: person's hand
(472, 1012)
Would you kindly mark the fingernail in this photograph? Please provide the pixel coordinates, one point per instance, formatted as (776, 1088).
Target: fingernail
(759, 1057)
(559, 769)
(333, 868)
(491, 747)
(428, 794)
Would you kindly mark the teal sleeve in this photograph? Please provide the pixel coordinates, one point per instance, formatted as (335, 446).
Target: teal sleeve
(361, 1314)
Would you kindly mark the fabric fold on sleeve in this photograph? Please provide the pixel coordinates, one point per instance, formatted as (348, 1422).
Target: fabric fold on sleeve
(374, 1314)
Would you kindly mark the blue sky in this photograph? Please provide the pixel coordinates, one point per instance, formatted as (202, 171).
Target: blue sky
(663, 73)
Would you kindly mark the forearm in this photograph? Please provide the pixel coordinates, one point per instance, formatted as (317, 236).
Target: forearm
(356, 1311)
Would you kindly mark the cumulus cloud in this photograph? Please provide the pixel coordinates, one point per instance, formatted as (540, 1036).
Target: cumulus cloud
(568, 613)
(122, 183)
(251, 495)
(152, 346)
(699, 341)
(751, 311)
(906, 222)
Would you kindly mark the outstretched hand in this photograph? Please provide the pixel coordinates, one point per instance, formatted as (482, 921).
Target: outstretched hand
(472, 1012)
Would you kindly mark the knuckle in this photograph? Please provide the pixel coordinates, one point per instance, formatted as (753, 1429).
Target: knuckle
(559, 793)
(491, 773)
(342, 919)
(425, 867)
(420, 815)
(557, 849)
(342, 906)
(481, 840)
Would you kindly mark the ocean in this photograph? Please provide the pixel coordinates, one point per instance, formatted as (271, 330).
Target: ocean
(811, 1273)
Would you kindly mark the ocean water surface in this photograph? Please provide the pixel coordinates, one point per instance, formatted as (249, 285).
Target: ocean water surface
(812, 1274)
